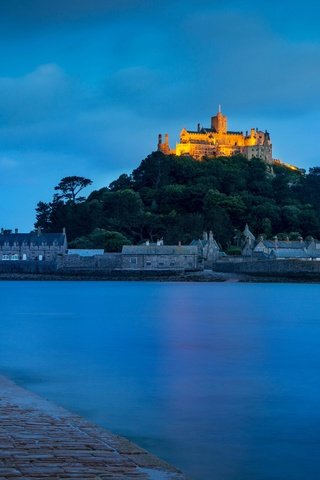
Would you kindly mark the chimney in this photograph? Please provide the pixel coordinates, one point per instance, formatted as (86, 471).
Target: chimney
(2, 231)
(64, 230)
(147, 243)
(198, 127)
(16, 230)
(179, 243)
(275, 239)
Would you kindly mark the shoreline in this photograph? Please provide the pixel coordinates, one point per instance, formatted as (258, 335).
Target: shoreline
(195, 277)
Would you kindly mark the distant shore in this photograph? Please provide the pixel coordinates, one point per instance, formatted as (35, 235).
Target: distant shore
(202, 277)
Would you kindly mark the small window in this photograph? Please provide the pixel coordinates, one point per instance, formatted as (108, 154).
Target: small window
(133, 260)
(172, 264)
(160, 264)
(15, 257)
(5, 257)
(148, 263)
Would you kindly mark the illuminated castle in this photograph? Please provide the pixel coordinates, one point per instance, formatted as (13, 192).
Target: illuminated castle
(219, 141)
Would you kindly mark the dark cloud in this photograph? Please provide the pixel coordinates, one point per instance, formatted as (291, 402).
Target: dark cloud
(42, 94)
(48, 10)
(224, 57)
(252, 67)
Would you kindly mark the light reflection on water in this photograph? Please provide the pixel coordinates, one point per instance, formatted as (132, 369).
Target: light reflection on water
(222, 380)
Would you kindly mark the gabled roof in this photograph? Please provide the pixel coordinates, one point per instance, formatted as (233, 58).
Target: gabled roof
(313, 245)
(289, 253)
(208, 130)
(203, 243)
(198, 243)
(284, 244)
(248, 234)
(11, 239)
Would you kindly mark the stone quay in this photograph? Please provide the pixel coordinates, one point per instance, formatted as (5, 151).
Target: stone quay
(39, 440)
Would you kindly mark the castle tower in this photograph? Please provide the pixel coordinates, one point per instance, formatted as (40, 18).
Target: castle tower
(219, 122)
(164, 147)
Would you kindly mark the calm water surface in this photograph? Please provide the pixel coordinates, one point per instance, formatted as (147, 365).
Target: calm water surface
(222, 380)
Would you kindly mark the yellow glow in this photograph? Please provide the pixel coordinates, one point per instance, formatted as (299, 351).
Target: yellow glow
(218, 141)
(287, 165)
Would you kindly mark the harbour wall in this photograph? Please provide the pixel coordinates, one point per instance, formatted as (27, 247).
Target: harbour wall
(99, 263)
(28, 267)
(290, 268)
(110, 265)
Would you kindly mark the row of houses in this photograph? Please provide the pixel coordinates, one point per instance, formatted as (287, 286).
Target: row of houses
(49, 247)
(34, 246)
(275, 249)
(200, 254)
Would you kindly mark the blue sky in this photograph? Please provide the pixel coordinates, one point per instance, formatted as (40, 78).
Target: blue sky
(86, 85)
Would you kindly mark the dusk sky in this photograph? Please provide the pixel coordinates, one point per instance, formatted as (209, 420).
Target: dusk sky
(86, 85)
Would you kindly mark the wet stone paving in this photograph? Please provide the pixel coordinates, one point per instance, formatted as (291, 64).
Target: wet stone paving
(39, 440)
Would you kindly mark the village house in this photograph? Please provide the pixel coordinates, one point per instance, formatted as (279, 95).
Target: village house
(160, 257)
(276, 249)
(208, 249)
(32, 246)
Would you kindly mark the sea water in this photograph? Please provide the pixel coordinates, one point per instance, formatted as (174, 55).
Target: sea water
(220, 379)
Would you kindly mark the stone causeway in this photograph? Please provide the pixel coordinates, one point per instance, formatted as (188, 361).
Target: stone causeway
(39, 440)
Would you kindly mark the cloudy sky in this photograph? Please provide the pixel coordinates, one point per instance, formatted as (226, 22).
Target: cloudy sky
(86, 85)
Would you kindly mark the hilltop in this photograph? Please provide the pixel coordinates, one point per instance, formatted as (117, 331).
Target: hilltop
(177, 197)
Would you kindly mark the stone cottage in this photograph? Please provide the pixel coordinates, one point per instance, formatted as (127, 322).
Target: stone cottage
(208, 249)
(160, 257)
(32, 246)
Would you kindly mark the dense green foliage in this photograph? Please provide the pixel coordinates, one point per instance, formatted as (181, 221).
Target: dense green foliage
(100, 238)
(178, 197)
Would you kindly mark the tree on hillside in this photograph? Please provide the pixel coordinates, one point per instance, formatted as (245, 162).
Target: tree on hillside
(154, 171)
(122, 183)
(108, 240)
(123, 212)
(70, 187)
(43, 214)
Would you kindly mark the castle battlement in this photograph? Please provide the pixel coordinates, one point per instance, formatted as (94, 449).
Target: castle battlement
(217, 140)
